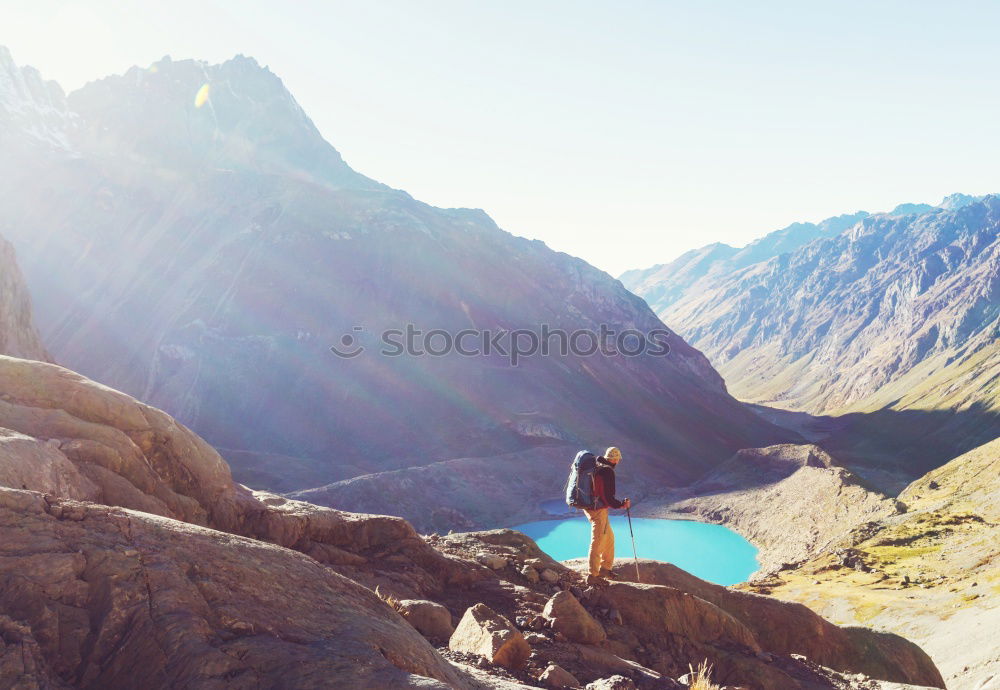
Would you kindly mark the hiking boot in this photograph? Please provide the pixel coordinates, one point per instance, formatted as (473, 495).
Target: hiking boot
(608, 574)
(596, 581)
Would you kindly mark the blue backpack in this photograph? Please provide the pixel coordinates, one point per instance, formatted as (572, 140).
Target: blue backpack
(580, 487)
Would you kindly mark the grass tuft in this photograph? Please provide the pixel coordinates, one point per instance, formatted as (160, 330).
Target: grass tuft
(701, 677)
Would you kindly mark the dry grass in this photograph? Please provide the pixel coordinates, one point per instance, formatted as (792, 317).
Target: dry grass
(701, 677)
(865, 611)
(392, 601)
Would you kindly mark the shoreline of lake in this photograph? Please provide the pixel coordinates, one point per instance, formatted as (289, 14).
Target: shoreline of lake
(707, 550)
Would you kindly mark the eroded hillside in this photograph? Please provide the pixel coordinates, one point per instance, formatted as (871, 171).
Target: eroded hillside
(887, 310)
(932, 571)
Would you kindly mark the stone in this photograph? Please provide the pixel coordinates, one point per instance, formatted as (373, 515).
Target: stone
(432, 620)
(652, 611)
(115, 449)
(612, 683)
(530, 574)
(484, 632)
(492, 560)
(533, 638)
(549, 575)
(567, 616)
(555, 676)
(143, 601)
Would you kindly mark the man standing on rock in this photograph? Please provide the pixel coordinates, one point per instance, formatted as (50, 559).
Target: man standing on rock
(602, 537)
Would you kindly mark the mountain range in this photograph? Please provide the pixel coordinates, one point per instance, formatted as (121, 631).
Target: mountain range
(244, 247)
(888, 321)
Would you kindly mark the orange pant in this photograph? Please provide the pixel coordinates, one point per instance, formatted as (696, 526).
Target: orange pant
(602, 541)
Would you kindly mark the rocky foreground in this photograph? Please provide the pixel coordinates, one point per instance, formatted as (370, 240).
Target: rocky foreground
(130, 558)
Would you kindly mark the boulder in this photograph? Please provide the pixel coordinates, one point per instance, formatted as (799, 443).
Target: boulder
(549, 575)
(567, 616)
(69, 437)
(612, 683)
(600, 660)
(555, 676)
(655, 613)
(28, 463)
(432, 620)
(102, 597)
(484, 632)
(530, 574)
(492, 561)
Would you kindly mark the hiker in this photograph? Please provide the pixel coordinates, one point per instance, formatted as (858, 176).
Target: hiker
(602, 537)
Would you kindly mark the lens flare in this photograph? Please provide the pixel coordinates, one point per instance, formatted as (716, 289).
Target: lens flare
(201, 98)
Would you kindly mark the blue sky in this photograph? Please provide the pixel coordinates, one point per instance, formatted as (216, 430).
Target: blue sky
(624, 133)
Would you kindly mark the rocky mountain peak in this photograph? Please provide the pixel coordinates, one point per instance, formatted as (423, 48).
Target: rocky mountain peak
(909, 209)
(958, 200)
(236, 115)
(952, 202)
(31, 107)
(664, 284)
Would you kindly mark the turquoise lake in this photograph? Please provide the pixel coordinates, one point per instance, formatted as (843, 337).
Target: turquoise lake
(711, 552)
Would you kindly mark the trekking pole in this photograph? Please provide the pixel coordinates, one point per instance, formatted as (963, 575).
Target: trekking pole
(634, 554)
